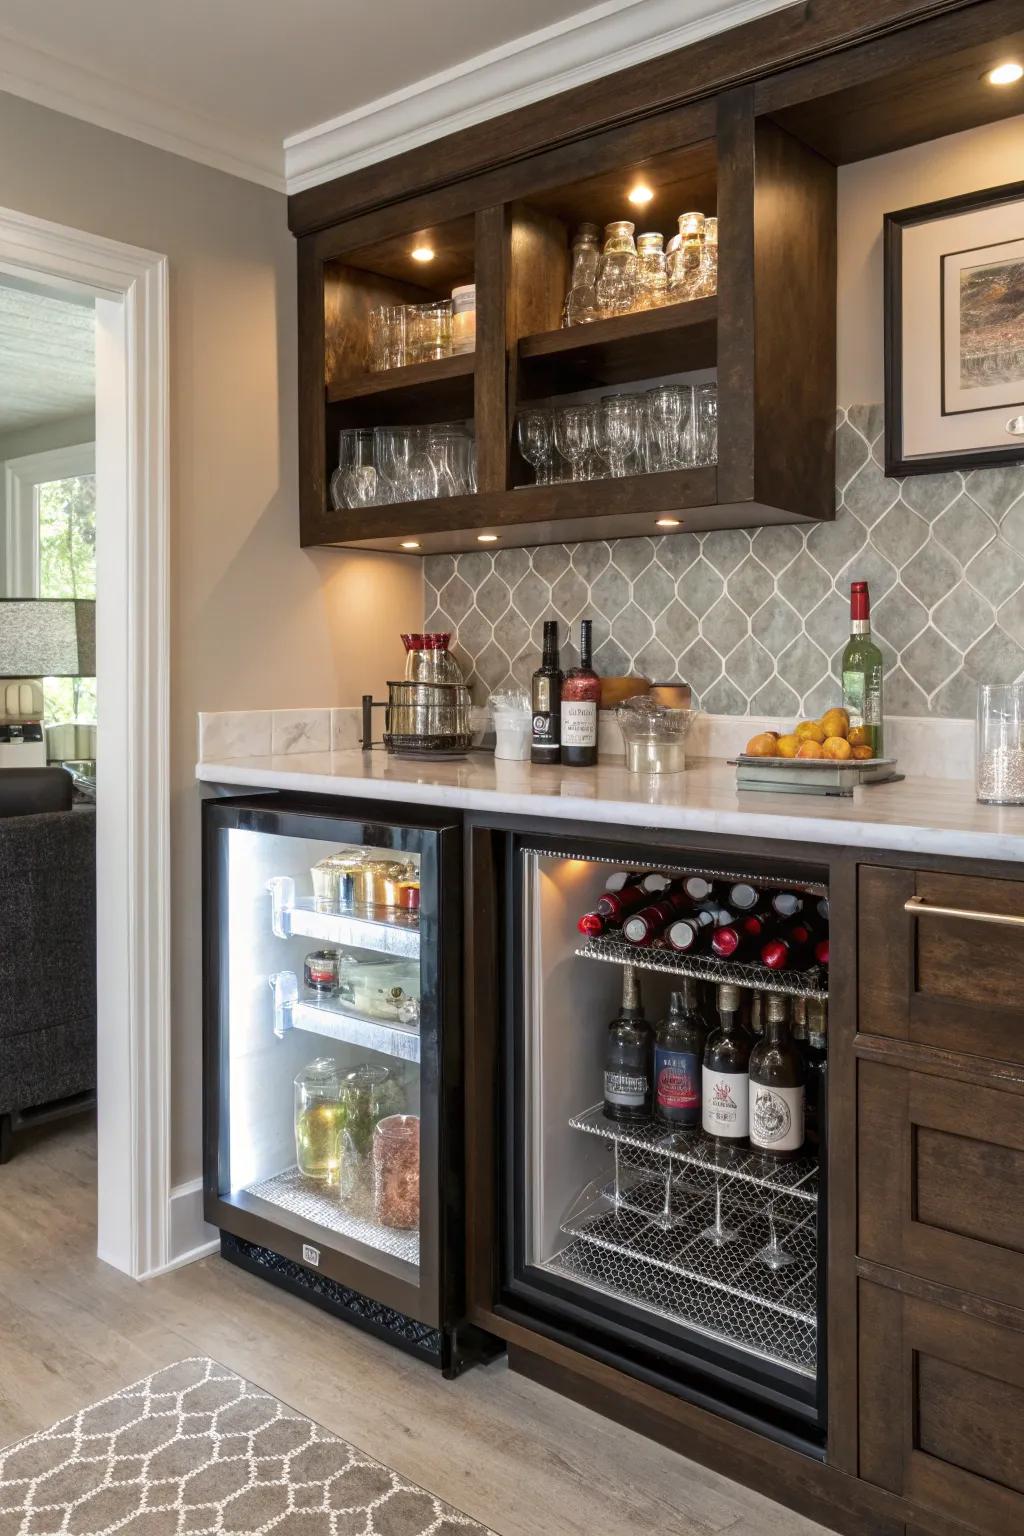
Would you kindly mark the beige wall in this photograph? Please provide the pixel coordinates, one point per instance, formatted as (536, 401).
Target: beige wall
(963, 162)
(256, 622)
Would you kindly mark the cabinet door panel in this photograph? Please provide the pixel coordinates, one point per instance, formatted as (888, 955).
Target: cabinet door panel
(942, 1409)
(952, 981)
(941, 1180)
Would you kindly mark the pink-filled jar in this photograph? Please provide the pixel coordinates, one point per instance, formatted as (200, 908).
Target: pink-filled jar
(396, 1171)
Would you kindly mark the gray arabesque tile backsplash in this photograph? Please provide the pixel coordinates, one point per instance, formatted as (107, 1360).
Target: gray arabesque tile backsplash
(756, 621)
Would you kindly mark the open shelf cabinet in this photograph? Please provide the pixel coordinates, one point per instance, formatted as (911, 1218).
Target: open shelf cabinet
(773, 358)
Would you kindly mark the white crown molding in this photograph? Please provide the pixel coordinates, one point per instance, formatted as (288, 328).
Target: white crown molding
(584, 47)
(69, 88)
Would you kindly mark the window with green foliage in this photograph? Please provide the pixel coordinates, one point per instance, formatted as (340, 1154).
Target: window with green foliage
(66, 522)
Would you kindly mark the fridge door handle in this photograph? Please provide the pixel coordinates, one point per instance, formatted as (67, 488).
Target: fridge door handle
(918, 907)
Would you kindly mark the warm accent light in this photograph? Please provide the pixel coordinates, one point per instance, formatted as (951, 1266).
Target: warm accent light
(422, 253)
(667, 522)
(1005, 74)
(487, 538)
(641, 195)
(410, 543)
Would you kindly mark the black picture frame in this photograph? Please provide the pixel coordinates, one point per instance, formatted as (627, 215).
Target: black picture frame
(898, 463)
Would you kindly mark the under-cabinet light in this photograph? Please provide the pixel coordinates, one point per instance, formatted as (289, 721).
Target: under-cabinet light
(641, 195)
(410, 543)
(422, 253)
(487, 538)
(667, 522)
(1007, 73)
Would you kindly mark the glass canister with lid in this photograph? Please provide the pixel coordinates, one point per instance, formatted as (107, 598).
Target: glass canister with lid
(684, 263)
(368, 1094)
(581, 299)
(652, 273)
(617, 269)
(319, 1121)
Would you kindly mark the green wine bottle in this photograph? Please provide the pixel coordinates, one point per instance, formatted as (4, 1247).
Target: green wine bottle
(862, 671)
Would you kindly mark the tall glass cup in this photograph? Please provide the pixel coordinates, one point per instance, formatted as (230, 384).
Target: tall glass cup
(999, 744)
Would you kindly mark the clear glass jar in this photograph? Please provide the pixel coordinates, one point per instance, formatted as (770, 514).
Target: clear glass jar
(464, 318)
(429, 331)
(707, 279)
(319, 1121)
(368, 1093)
(999, 744)
(684, 262)
(652, 272)
(396, 1171)
(581, 299)
(617, 269)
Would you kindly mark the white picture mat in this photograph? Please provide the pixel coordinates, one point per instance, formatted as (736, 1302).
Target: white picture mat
(926, 431)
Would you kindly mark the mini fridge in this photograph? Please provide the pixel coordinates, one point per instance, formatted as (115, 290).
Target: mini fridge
(333, 1094)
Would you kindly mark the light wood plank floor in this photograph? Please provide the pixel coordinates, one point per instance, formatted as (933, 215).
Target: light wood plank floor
(516, 1457)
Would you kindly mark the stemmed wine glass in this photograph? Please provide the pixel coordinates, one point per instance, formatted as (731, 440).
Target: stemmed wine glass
(573, 436)
(618, 432)
(707, 423)
(669, 410)
(533, 431)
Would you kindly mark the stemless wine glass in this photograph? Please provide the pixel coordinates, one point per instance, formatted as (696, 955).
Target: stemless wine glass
(619, 435)
(573, 437)
(422, 469)
(386, 337)
(533, 433)
(706, 413)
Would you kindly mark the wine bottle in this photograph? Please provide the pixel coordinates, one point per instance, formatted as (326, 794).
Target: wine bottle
(592, 924)
(627, 1070)
(655, 882)
(862, 671)
(789, 950)
(685, 933)
(616, 905)
(777, 1079)
(645, 926)
(620, 879)
(787, 903)
(817, 1068)
(724, 1085)
(678, 1058)
(581, 694)
(742, 897)
(697, 888)
(546, 700)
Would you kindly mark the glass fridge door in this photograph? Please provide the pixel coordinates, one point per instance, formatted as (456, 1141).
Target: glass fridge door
(324, 1017)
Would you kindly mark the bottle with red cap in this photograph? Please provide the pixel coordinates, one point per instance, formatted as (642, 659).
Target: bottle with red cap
(650, 922)
(790, 948)
(863, 667)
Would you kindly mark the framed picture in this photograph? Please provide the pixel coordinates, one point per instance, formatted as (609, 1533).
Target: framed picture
(954, 333)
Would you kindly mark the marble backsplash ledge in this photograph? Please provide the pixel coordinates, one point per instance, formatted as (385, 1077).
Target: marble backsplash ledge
(756, 620)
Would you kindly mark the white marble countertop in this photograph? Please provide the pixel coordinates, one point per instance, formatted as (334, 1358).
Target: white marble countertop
(937, 816)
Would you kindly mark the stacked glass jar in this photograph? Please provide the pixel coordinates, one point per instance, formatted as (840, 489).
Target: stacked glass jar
(629, 274)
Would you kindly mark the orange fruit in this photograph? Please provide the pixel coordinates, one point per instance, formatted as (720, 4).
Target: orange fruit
(762, 745)
(859, 736)
(809, 730)
(786, 746)
(835, 722)
(863, 753)
(808, 748)
(837, 748)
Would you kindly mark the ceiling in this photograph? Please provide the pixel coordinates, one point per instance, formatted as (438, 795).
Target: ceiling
(47, 359)
(227, 83)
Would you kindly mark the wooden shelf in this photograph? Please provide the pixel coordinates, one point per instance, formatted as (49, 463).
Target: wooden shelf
(434, 391)
(675, 339)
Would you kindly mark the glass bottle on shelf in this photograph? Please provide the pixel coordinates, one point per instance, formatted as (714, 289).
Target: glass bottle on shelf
(652, 273)
(627, 1067)
(684, 262)
(778, 1075)
(617, 269)
(678, 1058)
(319, 1121)
(725, 1078)
(707, 278)
(581, 299)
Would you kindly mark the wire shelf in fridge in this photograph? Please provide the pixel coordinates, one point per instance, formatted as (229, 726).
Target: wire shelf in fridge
(389, 1039)
(708, 1163)
(321, 1204)
(812, 983)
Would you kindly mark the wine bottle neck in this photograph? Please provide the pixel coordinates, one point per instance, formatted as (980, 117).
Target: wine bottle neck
(860, 626)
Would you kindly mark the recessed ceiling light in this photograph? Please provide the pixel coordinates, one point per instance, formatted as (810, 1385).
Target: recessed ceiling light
(410, 543)
(487, 538)
(1005, 74)
(641, 195)
(667, 522)
(422, 253)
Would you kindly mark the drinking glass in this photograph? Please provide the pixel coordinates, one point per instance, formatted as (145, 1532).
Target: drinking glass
(668, 416)
(391, 452)
(423, 471)
(707, 278)
(706, 414)
(431, 330)
(533, 433)
(442, 452)
(355, 455)
(999, 755)
(386, 337)
(619, 434)
(617, 270)
(581, 299)
(652, 274)
(573, 436)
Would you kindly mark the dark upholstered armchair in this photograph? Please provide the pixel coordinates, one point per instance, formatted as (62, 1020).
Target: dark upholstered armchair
(47, 949)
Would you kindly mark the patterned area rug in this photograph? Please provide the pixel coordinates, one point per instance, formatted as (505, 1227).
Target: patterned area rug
(195, 1449)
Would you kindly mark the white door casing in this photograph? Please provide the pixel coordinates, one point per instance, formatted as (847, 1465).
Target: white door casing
(129, 287)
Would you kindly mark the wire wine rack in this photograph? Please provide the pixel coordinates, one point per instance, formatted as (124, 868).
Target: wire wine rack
(759, 978)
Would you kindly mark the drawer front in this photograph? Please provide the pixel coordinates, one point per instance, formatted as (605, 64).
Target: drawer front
(941, 960)
(941, 1180)
(942, 1409)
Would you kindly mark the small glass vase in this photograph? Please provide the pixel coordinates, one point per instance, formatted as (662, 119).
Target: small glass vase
(999, 744)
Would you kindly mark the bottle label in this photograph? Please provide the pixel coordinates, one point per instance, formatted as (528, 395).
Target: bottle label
(725, 1102)
(545, 728)
(777, 1118)
(579, 723)
(677, 1081)
(862, 696)
(626, 1088)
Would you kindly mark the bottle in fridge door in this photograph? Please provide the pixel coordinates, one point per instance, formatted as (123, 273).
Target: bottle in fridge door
(332, 1054)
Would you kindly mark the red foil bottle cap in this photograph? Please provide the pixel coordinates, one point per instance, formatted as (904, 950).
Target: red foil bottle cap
(774, 953)
(725, 941)
(591, 923)
(860, 602)
(821, 952)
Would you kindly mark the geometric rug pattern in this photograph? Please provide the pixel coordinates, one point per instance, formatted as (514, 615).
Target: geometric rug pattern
(194, 1450)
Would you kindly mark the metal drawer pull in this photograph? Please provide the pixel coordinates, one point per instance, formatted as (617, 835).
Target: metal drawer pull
(918, 907)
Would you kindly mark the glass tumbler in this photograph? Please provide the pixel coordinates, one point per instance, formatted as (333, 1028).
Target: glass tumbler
(431, 330)
(617, 269)
(999, 744)
(706, 414)
(386, 337)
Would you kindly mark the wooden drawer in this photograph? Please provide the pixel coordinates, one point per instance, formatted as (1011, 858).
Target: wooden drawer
(953, 981)
(942, 1409)
(941, 1180)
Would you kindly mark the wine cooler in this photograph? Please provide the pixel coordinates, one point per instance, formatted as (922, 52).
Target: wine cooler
(332, 1125)
(660, 1214)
